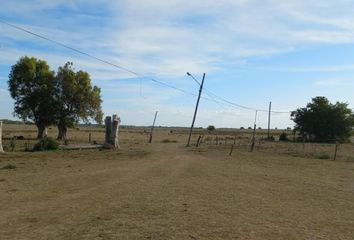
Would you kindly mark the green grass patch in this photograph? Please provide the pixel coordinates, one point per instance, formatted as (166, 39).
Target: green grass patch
(323, 155)
(8, 167)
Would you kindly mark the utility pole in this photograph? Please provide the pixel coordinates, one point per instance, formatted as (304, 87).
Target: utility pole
(152, 127)
(270, 110)
(196, 109)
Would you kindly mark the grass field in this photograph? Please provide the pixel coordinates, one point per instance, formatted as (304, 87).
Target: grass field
(164, 190)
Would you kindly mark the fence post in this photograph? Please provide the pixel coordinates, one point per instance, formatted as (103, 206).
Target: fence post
(254, 133)
(1, 149)
(232, 148)
(198, 142)
(335, 151)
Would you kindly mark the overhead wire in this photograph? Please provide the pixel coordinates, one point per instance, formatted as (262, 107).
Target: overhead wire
(212, 96)
(94, 57)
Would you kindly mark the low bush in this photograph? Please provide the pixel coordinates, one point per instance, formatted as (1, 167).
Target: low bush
(211, 128)
(283, 137)
(168, 141)
(9, 167)
(323, 155)
(46, 144)
(271, 138)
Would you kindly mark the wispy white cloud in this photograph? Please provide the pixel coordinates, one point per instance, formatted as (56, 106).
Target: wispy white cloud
(311, 69)
(335, 83)
(165, 39)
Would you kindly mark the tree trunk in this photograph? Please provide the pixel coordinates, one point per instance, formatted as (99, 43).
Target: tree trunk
(62, 130)
(1, 149)
(41, 131)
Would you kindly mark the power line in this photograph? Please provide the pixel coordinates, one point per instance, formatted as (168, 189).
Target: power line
(213, 96)
(209, 93)
(68, 47)
(94, 57)
(242, 106)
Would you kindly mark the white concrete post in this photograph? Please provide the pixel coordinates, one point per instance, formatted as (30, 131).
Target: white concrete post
(114, 133)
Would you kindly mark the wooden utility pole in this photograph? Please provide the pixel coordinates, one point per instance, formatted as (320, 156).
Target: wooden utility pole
(195, 111)
(254, 133)
(1, 149)
(152, 127)
(269, 114)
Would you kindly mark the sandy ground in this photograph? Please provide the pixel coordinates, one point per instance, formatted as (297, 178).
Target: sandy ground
(167, 191)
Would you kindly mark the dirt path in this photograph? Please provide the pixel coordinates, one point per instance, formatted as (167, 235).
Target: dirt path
(167, 192)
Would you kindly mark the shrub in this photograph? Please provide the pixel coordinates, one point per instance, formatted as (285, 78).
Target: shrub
(9, 167)
(168, 141)
(323, 155)
(211, 128)
(271, 138)
(283, 137)
(46, 144)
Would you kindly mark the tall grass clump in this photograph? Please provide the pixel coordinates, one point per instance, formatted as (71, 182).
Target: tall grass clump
(46, 144)
(323, 155)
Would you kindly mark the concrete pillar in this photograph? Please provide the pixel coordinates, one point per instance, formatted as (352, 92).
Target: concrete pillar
(114, 133)
(112, 127)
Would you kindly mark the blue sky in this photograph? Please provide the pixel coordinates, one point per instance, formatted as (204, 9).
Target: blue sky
(252, 52)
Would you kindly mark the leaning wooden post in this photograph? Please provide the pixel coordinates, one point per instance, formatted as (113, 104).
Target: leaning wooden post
(232, 149)
(335, 151)
(254, 133)
(1, 149)
(152, 128)
(199, 139)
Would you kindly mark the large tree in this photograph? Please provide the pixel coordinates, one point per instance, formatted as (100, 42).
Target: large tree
(75, 99)
(322, 121)
(31, 86)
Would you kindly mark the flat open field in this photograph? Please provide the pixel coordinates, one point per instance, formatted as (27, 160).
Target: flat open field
(164, 190)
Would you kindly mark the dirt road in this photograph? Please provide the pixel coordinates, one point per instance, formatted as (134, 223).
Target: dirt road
(166, 191)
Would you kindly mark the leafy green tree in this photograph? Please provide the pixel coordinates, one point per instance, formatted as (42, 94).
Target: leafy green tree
(322, 121)
(75, 99)
(211, 128)
(31, 86)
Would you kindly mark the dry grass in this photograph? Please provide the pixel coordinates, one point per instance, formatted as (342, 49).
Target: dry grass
(167, 191)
